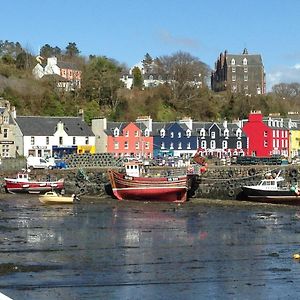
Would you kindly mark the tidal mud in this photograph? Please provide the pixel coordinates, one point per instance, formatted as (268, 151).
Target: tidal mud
(105, 249)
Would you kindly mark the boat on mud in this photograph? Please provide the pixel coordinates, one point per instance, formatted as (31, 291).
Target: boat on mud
(273, 189)
(23, 184)
(55, 198)
(136, 184)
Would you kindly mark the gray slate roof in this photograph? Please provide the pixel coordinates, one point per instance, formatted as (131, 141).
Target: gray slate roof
(46, 126)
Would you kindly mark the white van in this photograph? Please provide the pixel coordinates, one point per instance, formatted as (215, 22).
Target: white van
(38, 163)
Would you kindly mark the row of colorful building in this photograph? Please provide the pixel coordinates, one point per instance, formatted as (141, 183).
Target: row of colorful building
(57, 136)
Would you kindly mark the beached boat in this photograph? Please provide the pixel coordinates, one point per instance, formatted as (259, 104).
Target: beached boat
(55, 198)
(272, 189)
(23, 184)
(134, 184)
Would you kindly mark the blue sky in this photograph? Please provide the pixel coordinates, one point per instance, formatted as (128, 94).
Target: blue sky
(127, 30)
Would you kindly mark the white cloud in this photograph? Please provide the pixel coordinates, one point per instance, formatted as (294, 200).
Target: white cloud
(170, 39)
(283, 75)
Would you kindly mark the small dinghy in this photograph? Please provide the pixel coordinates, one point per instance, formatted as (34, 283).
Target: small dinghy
(55, 198)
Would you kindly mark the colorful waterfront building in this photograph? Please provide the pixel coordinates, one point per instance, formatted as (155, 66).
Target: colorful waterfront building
(266, 137)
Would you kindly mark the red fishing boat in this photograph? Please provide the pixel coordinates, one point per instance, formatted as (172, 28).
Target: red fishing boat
(134, 185)
(23, 184)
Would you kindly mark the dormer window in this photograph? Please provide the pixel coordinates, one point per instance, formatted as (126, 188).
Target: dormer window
(116, 132)
(147, 132)
(202, 132)
(239, 133)
(226, 133)
(179, 135)
(233, 61)
(188, 133)
(245, 61)
(162, 133)
(172, 134)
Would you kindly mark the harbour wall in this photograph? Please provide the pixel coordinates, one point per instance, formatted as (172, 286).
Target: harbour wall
(218, 182)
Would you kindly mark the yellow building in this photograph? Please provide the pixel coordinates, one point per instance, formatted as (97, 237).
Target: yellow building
(294, 142)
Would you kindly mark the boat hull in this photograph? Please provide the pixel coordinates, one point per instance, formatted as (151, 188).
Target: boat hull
(278, 196)
(54, 198)
(32, 187)
(162, 189)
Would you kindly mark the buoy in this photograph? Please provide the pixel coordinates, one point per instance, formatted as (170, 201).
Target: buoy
(296, 256)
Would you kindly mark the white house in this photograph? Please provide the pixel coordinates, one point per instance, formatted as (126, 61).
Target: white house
(53, 136)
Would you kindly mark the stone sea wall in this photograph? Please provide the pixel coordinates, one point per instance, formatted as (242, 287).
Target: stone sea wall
(218, 182)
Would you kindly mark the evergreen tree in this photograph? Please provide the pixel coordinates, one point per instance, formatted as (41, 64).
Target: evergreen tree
(138, 81)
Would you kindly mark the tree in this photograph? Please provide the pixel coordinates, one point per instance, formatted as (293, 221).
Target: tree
(286, 90)
(147, 63)
(184, 73)
(101, 81)
(10, 48)
(138, 81)
(24, 61)
(72, 50)
(48, 51)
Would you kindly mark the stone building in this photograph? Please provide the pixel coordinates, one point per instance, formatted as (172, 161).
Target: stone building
(240, 73)
(7, 129)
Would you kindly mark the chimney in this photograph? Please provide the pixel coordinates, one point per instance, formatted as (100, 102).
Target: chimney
(81, 114)
(13, 112)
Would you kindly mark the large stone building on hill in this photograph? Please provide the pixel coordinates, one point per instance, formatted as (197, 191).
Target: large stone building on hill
(240, 73)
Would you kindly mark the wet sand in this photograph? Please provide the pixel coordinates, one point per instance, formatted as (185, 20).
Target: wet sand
(104, 249)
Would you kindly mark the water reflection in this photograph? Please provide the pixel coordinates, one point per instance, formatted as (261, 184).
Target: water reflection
(128, 250)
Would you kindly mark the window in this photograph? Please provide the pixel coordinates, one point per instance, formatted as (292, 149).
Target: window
(60, 140)
(47, 140)
(116, 132)
(5, 120)
(136, 133)
(233, 77)
(162, 145)
(162, 133)
(239, 145)
(188, 145)
(172, 146)
(126, 145)
(202, 132)
(179, 135)
(226, 133)
(172, 134)
(265, 143)
(265, 133)
(147, 145)
(212, 144)
(32, 140)
(74, 140)
(147, 133)
(233, 61)
(213, 135)
(245, 62)
(233, 69)
(116, 145)
(245, 70)
(203, 144)
(127, 133)
(86, 140)
(224, 145)
(188, 133)
(245, 77)
(137, 145)
(239, 133)
(5, 133)
(179, 145)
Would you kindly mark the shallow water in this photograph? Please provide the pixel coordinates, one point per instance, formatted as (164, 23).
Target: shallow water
(104, 249)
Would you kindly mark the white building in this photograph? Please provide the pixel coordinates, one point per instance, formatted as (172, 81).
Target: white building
(53, 136)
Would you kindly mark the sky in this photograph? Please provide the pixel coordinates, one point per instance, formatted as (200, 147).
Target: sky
(127, 30)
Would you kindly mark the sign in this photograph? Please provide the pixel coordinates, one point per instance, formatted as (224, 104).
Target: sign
(7, 142)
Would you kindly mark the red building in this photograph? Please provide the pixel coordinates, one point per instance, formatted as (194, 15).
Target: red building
(130, 140)
(266, 137)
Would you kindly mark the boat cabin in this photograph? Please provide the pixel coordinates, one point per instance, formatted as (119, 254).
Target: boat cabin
(23, 176)
(134, 169)
(272, 183)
